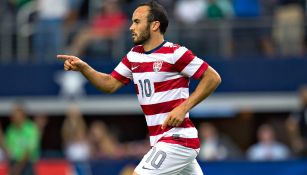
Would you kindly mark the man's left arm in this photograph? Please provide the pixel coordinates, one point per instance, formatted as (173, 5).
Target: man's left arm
(207, 84)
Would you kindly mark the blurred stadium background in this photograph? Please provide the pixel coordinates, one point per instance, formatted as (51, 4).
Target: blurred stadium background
(258, 46)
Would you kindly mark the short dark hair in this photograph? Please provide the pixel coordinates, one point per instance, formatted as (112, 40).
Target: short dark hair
(157, 13)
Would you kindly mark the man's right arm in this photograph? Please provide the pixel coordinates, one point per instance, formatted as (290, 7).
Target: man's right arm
(102, 81)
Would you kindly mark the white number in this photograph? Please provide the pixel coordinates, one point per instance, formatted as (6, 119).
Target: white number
(157, 154)
(145, 87)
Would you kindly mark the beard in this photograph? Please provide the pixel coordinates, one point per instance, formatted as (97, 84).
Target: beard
(143, 37)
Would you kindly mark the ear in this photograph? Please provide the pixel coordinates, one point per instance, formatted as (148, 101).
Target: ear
(155, 26)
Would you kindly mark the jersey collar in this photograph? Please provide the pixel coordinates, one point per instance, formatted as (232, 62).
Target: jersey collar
(155, 49)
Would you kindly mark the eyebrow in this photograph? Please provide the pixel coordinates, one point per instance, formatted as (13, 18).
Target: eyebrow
(136, 20)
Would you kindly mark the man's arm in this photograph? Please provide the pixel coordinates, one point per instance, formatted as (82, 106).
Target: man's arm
(208, 83)
(102, 81)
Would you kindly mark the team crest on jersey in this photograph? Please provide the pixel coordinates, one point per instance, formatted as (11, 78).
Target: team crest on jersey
(157, 65)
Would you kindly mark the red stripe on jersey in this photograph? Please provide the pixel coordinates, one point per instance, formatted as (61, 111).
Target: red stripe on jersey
(184, 60)
(200, 71)
(136, 88)
(182, 82)
(167, 49)
(139, 49)
(159, 108)
(193, 143)
(138, 67)
(126, 62)
(120, 78)
(156, 130)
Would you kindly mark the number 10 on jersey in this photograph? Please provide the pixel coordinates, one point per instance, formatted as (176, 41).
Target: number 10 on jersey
(145, 87)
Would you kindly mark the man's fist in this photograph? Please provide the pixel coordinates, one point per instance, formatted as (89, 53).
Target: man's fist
(72, 63)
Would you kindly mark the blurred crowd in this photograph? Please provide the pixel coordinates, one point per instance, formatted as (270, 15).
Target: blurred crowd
(22, 139)
(98, 28)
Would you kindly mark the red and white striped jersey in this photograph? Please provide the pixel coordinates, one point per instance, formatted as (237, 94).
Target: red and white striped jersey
(161, 79)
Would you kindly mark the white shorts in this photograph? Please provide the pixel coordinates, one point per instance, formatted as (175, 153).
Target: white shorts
(169, 159)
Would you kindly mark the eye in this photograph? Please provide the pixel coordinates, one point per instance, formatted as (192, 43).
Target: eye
(136, 21)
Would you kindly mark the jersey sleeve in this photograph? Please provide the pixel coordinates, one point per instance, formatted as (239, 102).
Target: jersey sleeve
(122, 71)
(188, 64)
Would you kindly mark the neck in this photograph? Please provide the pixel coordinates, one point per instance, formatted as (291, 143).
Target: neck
(153, 42)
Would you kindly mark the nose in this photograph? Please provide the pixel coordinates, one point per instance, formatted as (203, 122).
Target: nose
(131, 28)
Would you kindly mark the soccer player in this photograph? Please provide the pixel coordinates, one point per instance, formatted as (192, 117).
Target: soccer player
(160, 71)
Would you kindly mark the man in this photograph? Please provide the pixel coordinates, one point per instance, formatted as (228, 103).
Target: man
(21, 133)
(160, 71)
(267, 148)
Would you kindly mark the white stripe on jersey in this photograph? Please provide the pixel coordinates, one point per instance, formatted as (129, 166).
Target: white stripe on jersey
(158, 119)
(156, 76)
(183, 132)
(195, 64)
(168, 44)
(174, 77)
(178, 53)
(123, 70)
(138, 57)
(160, 97)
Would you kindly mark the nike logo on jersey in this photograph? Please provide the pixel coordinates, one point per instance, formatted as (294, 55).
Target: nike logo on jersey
(134, 67)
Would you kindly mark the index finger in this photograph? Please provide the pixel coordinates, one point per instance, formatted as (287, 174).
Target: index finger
(65, 57)
(164, 125)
